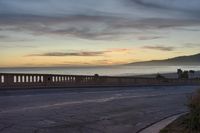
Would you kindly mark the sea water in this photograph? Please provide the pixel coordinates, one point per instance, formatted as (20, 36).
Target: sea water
(108, 70)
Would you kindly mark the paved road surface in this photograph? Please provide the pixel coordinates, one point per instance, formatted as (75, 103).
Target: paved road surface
(94, 110)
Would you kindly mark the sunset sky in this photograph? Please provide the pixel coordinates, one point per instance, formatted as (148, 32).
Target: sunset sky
(43, 33)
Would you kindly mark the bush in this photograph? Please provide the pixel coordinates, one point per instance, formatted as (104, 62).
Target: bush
(193, 121)
(189, 123)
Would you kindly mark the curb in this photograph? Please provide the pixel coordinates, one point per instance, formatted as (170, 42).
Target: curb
(156, 125)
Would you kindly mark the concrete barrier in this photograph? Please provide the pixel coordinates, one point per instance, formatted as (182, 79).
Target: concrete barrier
(22, 80)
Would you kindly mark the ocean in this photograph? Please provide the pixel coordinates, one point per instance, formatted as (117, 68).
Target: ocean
(107, 71)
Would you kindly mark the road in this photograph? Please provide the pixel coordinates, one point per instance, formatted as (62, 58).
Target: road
(92, 110)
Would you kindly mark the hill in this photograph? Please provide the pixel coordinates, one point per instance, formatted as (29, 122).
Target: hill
(181, 60)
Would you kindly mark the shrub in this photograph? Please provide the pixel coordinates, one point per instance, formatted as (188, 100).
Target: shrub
(193, 121)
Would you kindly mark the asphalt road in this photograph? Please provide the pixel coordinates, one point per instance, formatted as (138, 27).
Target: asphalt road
(92, 110)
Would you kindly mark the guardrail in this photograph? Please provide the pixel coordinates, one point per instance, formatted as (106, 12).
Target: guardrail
(22, 80)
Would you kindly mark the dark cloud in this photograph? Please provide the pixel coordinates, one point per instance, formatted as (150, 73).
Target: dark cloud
(162, 48)
(147, 4)
(158, 23)
(149, 37)
(87, 26)
(81, 26)
(3, 37)
(81, 53)
(190, 8)
(90, 24)
(85, 53)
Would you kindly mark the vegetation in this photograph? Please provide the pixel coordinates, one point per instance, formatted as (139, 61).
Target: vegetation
(189, 123)
(159, 76)
(193, 122)
(182, 74)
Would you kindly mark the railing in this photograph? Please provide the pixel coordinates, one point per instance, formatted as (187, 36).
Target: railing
(48, 81)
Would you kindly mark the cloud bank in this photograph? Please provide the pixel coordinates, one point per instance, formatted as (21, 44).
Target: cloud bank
(96, 20)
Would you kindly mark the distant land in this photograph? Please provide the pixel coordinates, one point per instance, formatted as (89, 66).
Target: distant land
(191, 60)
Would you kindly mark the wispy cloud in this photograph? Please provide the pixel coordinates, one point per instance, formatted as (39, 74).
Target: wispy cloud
(162, 48)
(82, 53)
(182, 6)
(10, 46)
(191, 45)
(149, 37)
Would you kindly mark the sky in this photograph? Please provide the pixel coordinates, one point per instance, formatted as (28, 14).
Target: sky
(45, 33)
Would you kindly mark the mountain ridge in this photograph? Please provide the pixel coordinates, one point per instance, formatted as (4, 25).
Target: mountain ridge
(180, 60)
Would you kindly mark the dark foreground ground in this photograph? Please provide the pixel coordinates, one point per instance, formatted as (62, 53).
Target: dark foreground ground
(94, 110)
(179, 126)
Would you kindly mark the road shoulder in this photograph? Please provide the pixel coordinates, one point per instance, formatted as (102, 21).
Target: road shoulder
(156, 127)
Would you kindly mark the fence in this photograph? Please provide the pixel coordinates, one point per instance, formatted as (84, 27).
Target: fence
(49, 81)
